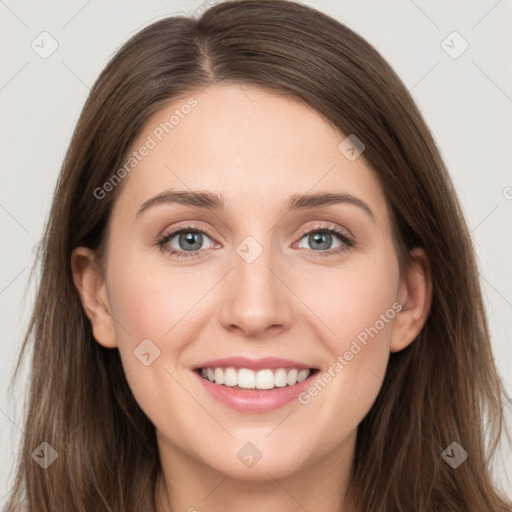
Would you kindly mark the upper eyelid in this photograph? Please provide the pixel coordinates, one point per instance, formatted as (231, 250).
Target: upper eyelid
(323, 226)
(175, 231)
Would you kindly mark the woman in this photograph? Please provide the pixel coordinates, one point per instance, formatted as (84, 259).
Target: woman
(195, 349)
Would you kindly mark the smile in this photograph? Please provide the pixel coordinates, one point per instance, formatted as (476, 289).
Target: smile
(254, 386)
(245, 378)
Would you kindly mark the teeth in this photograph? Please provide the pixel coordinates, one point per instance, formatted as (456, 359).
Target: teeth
(219, 376)
(230, 377)
(292, 377)
(246, 378)
(265, 379)
(303, 375)
(280, 378)
(261, 379)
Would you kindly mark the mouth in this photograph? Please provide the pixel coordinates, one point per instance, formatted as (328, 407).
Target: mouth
(246, 379)
(250, 385)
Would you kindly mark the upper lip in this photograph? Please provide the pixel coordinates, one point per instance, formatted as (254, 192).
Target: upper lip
(253, 364)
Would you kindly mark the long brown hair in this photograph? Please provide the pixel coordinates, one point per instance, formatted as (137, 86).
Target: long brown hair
(442, 388)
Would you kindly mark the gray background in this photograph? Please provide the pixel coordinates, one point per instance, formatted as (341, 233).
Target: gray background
(467, 102)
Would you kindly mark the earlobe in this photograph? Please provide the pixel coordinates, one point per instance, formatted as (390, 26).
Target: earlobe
(90, 284)
(415, 295)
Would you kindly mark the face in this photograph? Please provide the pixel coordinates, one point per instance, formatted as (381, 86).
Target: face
(253, 290)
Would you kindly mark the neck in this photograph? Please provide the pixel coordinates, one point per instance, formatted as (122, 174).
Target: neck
(187, 484)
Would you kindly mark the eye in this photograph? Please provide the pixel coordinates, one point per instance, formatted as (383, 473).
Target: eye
(185, 241)
(321, 237)
(188, 241)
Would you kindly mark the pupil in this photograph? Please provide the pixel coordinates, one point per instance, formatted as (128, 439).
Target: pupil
(191, 240)
(318, 237)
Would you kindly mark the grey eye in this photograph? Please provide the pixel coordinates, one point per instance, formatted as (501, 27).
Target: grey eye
(320, 240)
(188, 241)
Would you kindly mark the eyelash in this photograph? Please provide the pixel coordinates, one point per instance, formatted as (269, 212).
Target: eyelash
(347, 241)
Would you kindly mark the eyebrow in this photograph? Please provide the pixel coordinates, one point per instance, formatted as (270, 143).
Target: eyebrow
(210, 200)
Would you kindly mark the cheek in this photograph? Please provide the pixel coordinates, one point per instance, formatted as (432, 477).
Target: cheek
(152, 302)
(365, 314)
(356, 304)
(150, 308)
(355, 300)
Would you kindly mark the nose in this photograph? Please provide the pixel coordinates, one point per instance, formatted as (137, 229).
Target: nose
(256, 298)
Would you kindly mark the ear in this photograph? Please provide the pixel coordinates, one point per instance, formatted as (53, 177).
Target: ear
(415, 296)
(90, 283)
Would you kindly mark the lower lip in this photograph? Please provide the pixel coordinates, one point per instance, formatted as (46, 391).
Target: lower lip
(255, 400)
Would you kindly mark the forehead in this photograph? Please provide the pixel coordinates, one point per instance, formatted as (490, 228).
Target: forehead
(253, 146)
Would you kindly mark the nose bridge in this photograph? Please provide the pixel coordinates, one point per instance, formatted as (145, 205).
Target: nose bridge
(255, 298)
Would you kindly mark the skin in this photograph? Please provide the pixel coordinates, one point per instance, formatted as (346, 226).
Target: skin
(257, 149)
